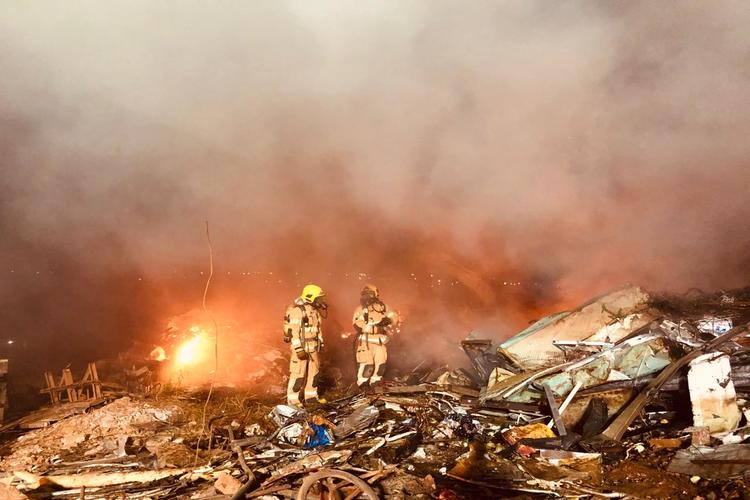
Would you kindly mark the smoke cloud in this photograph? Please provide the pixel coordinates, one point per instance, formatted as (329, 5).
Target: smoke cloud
(445, 150)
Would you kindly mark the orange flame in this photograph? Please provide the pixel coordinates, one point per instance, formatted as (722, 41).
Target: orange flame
(192, 351)
(158, 354)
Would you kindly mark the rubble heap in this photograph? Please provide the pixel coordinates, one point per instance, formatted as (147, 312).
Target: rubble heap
(104, 431)
(629, 395)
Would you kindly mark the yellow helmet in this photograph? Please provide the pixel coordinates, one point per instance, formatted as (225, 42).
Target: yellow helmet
(311, 292)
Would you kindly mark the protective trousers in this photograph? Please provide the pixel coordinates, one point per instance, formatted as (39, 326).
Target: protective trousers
(372, 355)
(303, 373)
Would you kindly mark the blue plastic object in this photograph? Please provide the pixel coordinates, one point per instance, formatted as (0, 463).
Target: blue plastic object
(320, 437)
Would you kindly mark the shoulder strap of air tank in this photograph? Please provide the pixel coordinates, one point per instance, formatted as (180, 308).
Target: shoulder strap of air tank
(302, 308)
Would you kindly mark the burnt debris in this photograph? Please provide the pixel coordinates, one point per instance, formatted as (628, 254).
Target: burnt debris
(629, 395)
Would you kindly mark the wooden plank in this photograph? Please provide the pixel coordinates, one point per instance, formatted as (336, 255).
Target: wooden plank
(495, 392)
(97, 385)
(63, 388)
(642, 330)
(50, 380)
(404, 389)
(97, 479)
(67, 382)
(567, 401)
(82, 391)
(555, 413)
(510, 406)
(462, 390)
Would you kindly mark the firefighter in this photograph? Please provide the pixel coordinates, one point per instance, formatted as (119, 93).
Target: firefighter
(374, 322)
(302, 330)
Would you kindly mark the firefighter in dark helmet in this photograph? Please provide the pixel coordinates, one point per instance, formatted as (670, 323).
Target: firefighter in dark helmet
(374, 322)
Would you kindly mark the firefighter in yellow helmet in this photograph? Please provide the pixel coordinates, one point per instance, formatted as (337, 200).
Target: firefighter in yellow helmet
(302, 330)
(374, 322)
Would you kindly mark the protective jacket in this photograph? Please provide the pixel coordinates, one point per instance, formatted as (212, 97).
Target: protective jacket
(302, 327)
(302, 330)
(374, 324)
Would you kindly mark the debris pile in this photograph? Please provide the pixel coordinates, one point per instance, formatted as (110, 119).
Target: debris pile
(111, 430)
(627, 396)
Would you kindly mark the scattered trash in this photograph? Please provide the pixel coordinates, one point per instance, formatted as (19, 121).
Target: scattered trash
(253, 430)
(359, 419)
(700, 436)
(226, 484)
(292, 434)
(664, 443)
(516, 435)
(281, 414)
(712, 393)
(458, 424)
(319, 433)
(588, 403)
(393, 407)
(722, 462)
(715, 326)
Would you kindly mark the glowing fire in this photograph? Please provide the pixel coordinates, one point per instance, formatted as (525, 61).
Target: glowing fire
(158, 354)
(191, 351)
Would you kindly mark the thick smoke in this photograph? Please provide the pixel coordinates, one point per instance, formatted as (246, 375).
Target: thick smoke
(569, 146)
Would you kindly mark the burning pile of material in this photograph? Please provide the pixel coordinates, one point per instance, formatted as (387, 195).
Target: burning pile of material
(188, 355)
(187, 344)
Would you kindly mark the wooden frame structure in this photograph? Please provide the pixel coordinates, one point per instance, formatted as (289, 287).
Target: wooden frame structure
(68, 390)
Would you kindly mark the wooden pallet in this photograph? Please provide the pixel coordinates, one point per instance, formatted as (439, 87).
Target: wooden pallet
(67, 390)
